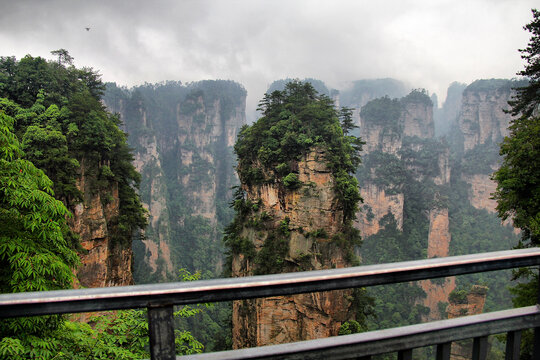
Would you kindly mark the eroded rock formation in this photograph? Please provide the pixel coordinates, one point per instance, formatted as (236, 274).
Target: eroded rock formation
(437, 290)
(104, 262)
(482, 117)
(473, 304)
(483, 125)
(311, 217)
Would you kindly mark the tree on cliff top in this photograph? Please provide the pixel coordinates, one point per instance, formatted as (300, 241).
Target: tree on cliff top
(295, 121)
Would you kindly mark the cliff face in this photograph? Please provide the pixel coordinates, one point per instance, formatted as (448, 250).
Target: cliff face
(473, 304)
(417, 118)
(312, 217)
(393, 148)
(104, 262)
(376, 205)
(482, 117)
(183, 138)
(483, 124)
(439, 238)
(397, 171)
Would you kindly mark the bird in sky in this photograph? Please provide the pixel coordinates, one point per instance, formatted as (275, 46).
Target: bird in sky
(87, 28)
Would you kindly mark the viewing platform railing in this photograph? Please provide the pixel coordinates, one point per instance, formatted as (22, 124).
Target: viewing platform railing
(159, 299)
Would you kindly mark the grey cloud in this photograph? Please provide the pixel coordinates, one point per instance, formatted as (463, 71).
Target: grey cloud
(426, 43)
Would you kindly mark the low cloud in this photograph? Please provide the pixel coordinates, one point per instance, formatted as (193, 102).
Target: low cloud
(425, 43)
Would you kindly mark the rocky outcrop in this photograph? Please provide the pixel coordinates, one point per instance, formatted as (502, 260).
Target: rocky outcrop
(363, 91)
(376, 205)
(417, 117)
(104, 262)
(437, 290)
(473, 304)
(483, 124)
(482, 117)
(310, 217)
(480, 192)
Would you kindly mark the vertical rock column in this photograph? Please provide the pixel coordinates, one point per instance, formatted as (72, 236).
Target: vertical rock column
(311, 217)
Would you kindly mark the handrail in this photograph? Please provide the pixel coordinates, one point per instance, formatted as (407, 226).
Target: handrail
(389, 340)
(182, 293)
(160, 298)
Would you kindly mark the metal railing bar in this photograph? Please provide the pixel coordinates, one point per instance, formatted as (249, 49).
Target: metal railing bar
(513, 344)
(480, 348)
(140, 296)
(390, 340)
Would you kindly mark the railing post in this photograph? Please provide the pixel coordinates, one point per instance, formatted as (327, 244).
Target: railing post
(480, 346)
(161, 332)
(405, 354)
(443, 351)
(513, 344)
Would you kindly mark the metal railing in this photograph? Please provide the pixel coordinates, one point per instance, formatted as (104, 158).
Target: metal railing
(159, 299)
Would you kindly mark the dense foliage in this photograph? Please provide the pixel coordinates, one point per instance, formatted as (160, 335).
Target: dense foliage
(518, 178)
(526, 101)
(383, 111)
(34, 255)
(66, 131)
(295, 121)
(53, 129)
(318, 85)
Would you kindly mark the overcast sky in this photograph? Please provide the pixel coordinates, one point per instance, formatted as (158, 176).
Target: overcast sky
(427, 43)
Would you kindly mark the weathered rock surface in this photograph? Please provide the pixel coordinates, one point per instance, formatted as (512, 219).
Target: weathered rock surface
(377, 204)
(417, 119)
(312, 208)
(482, 117)
(482, 122)
(437, 290)
(104, 262)
(481, 189)
(476, 299)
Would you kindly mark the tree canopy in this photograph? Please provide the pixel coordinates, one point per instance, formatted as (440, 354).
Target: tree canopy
(62, 126)
(526, 101)
(518, 178)
(295, 121)
(53, 128)
(34, 255)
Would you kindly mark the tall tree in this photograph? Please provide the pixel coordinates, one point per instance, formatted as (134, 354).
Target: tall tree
(518, 179)
(34, 255)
